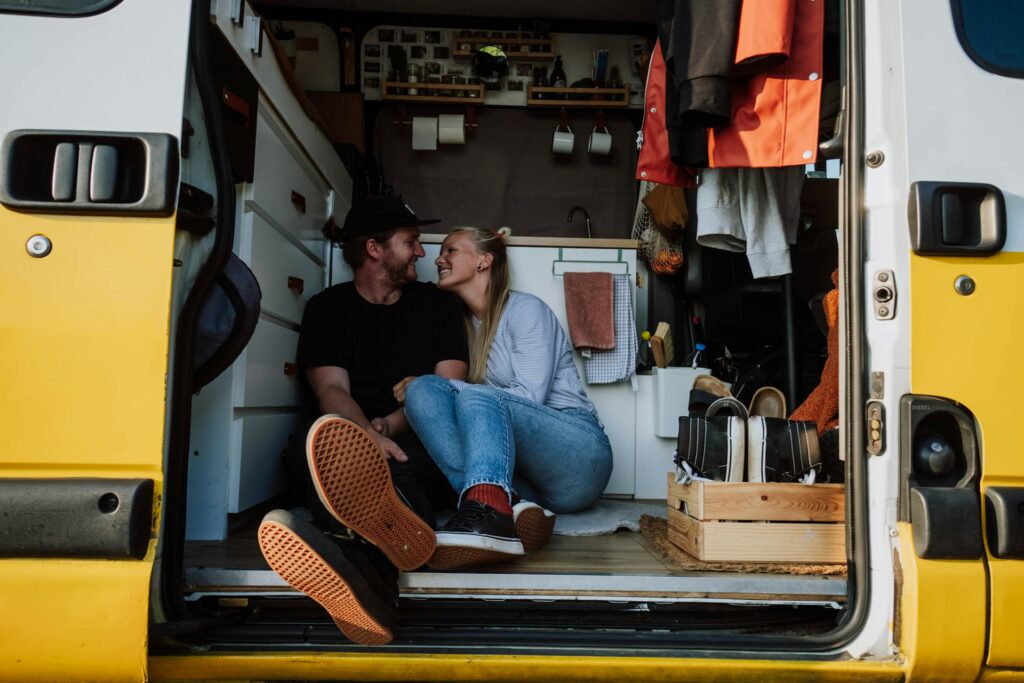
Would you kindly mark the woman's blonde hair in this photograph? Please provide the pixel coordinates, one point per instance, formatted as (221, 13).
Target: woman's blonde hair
(480, 339)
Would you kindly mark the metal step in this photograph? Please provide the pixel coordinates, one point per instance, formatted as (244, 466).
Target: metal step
(703, 587)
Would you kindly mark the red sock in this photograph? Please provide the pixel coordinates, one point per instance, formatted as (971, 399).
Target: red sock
(490, 494)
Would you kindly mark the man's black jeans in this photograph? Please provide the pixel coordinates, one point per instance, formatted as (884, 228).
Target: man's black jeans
(419, 482)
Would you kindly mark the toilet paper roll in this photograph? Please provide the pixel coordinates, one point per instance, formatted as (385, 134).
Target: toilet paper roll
(424, 132)
(451, 129)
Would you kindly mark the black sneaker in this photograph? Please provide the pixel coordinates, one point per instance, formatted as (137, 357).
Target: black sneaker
(712, 447)
(312, 562)
(534, 525)
(351, 477)
(476, 534)
(782, 450)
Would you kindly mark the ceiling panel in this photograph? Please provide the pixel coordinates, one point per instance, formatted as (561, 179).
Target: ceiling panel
(593, 10)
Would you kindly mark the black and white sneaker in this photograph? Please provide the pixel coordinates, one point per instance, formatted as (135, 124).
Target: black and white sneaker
(534, 525)
(782, 450)
(712, 447)
(476, 534)
(314, 563)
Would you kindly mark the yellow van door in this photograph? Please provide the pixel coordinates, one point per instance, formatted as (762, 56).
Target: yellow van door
(88, 182)
(963, 70)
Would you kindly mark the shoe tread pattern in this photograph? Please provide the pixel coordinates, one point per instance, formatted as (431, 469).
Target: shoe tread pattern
(351, 475)
(534, 528)
(455, 557)
(305, 570)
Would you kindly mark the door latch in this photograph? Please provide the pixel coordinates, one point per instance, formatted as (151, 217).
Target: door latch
(875, 421)
(883, 294)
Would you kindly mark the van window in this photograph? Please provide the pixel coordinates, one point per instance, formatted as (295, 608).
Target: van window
(67, 7)
(990, 32)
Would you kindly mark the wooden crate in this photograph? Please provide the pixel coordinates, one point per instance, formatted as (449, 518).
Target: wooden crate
(745, 522)
(742, 501)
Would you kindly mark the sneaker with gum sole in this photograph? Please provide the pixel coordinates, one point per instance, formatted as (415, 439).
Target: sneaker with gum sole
(311, 562)
(476, 534)
(351, 477)
(534, 525)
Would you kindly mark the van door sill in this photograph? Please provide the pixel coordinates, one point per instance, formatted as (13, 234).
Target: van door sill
(706, 587)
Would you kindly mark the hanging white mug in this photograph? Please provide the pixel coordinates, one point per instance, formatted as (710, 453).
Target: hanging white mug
(600, 141)
(563, 141)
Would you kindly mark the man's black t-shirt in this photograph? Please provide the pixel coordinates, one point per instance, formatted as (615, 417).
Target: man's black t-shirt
(379, 344)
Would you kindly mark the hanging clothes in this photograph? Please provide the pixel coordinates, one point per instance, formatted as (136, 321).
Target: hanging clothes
(752, 210)
(775, 112)
(654, 162)
(697, 39)
(765, 35)
(749, 73)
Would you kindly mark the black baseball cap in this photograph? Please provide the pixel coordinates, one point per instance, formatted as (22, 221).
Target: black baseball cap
(374, 215)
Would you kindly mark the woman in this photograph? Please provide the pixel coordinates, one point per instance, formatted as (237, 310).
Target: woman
(522, 426)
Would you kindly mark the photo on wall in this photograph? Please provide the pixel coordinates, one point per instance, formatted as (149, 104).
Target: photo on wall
(371, 67)
(371, 50)
(386, 35)
(418, 52)
(371, 82)
(432, 37)
(410, 36)
(442, 52)
(524, 70)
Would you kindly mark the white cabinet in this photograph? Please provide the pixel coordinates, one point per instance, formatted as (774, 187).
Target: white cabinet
(653, 453)
(243, 420)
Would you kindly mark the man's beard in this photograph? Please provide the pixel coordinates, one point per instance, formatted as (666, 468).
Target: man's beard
(399, 272)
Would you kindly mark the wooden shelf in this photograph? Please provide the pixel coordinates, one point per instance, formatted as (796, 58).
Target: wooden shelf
(607, 98)
(512, 55)
(389, 90)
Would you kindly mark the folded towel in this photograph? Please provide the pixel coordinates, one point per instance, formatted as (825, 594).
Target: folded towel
(590, 309)
(618, 364)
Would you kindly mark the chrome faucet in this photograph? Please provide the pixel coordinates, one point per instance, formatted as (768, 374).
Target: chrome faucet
(572, 213)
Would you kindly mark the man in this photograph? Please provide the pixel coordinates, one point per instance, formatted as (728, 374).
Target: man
(371, 486)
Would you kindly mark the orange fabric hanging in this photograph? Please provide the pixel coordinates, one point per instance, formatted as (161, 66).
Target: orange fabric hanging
(775, 112)
(765, 34)
(654, 163)
(822, 405)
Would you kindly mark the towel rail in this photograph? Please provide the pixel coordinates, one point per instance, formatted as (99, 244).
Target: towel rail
(561, 265)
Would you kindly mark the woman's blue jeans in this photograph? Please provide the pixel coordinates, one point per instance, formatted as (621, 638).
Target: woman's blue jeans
(560, 459)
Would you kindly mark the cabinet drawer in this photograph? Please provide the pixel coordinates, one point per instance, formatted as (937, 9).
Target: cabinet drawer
(287, 277)
(284, 185)
(256, 469)
(271, 374)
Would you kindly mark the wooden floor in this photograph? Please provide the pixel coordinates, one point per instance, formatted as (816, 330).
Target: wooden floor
(618, 566)
(623, 552)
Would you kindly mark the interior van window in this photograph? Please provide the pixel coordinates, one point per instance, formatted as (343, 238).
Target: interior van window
(990, 32)
(68, 7)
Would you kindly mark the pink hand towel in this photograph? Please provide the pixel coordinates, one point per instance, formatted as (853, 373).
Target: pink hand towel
(590, 308)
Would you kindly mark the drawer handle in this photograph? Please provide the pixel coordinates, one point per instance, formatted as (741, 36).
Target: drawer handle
(299, 201)
(290, 368)
(236, 104)
(295, 283)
